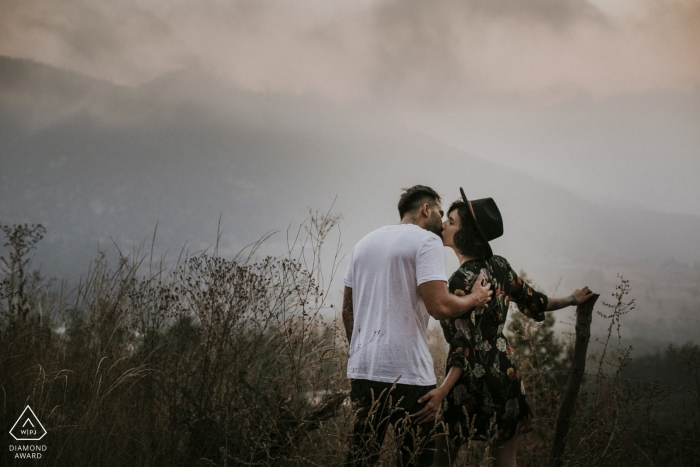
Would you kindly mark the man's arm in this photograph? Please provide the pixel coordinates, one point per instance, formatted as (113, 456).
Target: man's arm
(579, 296)
(441, 304)
(348, 318)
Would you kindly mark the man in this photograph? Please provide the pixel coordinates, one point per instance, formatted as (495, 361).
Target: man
(395, 281)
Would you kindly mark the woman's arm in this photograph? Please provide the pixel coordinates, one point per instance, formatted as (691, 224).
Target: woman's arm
(579, 296)
(435, 396)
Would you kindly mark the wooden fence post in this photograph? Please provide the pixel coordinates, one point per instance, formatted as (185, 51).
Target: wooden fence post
(584, 317)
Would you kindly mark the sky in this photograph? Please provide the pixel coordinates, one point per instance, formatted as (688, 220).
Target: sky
(407, 50)
(272, 100)
(599, 97)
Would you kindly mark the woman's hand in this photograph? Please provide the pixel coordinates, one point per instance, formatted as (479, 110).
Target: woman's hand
(434, 397)
(429, 412)
(581, 295)
(578, 297)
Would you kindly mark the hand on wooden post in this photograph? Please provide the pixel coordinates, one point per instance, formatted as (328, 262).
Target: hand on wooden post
(581, 295)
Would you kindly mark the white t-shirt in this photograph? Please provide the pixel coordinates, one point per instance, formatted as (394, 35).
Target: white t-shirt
(390, 319)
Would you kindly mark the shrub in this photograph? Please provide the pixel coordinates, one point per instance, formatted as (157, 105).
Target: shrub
(212, 361)
(216, 361)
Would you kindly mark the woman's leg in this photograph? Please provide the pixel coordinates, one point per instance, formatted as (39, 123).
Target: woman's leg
(504, 453)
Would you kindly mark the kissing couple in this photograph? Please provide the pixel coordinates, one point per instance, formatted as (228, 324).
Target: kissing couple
(395, 282)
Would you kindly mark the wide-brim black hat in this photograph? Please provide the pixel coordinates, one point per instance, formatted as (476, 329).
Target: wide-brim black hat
(487, 220)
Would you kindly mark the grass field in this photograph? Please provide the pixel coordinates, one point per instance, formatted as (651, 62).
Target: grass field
(234, 361)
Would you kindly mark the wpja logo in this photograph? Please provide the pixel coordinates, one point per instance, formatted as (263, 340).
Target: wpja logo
(28, 428)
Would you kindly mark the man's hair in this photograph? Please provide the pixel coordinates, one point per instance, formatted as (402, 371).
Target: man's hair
(466, 238)
(414, 197)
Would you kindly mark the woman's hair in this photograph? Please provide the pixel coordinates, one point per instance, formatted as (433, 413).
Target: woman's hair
(466, 239)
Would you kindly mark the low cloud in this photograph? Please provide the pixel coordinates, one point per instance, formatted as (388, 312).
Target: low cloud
(397, 51)
(455, 50)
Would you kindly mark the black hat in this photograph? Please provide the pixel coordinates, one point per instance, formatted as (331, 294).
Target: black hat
(487, 220)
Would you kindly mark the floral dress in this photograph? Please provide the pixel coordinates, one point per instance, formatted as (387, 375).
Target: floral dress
(490, 389)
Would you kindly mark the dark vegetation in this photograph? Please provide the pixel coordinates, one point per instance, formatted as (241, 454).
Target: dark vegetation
(216, 361)
(625, 414)
(211, 362)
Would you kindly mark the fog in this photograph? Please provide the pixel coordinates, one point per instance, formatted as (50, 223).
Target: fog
(580, 118)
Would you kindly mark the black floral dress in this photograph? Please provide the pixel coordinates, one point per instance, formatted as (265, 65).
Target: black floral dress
(490, 389)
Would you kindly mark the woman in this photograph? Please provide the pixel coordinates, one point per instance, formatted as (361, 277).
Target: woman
(483, 378)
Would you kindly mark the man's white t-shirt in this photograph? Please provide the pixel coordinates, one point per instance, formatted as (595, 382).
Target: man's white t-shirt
(390, 319)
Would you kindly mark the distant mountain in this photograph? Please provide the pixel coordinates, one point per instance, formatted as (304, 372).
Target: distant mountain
(96, 162)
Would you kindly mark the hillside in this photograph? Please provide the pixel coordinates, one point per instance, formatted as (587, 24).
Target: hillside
(98, 163)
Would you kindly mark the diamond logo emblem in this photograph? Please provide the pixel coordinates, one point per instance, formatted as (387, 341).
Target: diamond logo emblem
(28, 427)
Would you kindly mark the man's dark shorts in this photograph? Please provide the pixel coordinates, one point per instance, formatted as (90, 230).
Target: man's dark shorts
(376, 406)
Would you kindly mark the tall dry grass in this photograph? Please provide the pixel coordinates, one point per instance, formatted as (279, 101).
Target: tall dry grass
(212, 361)
(216, 361)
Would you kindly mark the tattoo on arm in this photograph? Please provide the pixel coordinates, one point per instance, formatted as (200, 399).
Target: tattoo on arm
(348, 317)
(557, 303)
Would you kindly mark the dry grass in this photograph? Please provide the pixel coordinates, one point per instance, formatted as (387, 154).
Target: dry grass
(217, 361)
(212, 361)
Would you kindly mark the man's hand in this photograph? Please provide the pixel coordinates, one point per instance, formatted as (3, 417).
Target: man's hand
(441, 304)
(481, 293)
(581, 295)
(429, 412)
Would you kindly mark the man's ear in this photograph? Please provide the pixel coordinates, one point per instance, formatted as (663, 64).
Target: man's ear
(425, 210)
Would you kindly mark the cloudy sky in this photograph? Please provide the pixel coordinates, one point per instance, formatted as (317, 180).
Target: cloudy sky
(581, 117)
(408, 50)
(599, 96)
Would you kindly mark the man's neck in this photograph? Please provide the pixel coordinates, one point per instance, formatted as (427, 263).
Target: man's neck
(415, 220)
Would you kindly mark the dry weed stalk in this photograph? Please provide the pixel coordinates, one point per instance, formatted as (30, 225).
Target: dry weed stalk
(217, 361)
(212, 361)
